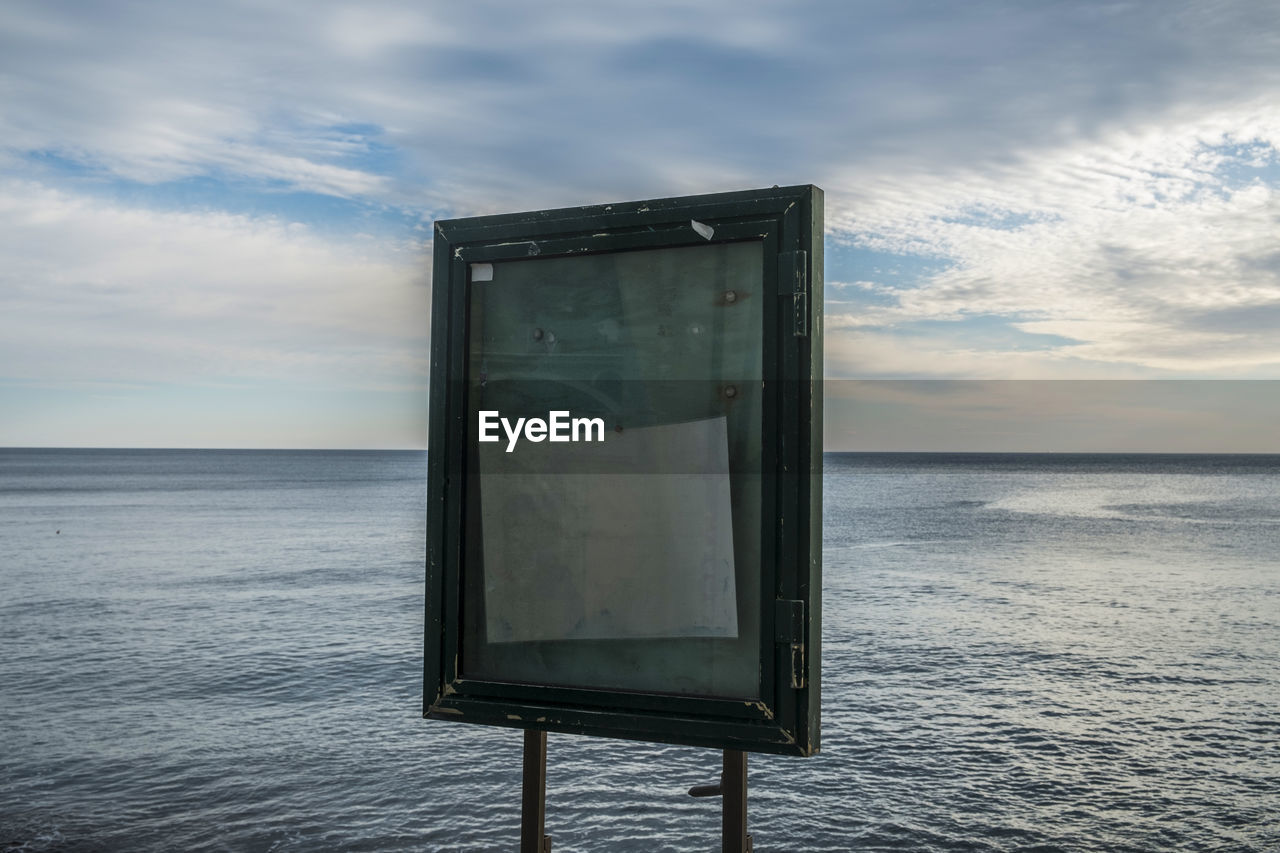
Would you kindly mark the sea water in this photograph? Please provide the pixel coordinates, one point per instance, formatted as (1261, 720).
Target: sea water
(221, 650)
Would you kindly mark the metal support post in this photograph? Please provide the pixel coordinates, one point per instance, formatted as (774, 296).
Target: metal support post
(533, 799)
(733, 789)
(733, 785)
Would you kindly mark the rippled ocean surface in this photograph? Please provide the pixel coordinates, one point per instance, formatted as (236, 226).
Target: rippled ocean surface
(221, 650)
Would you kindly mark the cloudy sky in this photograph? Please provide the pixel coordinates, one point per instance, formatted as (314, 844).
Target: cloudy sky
(215, 217)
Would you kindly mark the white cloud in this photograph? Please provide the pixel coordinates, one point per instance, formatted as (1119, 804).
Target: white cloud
(500, 105)
(872, 353)
(94, 292)
(1072, 167)
(1149, 248)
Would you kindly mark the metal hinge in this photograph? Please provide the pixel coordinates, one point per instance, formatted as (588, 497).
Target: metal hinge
(793, 281)
(788, 631)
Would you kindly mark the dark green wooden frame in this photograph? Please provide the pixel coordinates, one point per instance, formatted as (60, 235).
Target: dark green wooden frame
(789, 223)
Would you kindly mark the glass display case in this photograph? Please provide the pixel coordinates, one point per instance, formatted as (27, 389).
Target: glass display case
(624, 470)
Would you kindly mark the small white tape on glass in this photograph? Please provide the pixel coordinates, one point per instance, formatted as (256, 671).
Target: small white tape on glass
(702, 228)
(482, 272)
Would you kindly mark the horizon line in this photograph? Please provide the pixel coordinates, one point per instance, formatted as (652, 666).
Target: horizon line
(825, 451)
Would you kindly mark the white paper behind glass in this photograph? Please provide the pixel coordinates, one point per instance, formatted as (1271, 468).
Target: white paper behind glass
(580, 555)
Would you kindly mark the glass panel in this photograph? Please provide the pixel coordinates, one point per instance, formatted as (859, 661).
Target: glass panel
(613, 530)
